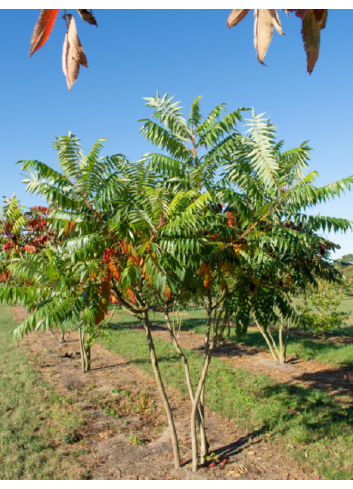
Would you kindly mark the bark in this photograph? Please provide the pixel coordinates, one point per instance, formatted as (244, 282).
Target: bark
(228, 331)
(204, 444)
(201, 388)
(262, 331)
(161, 389)
(286, 341)
(53, 336)
(188, 378)
(280, 336)
(80, 338)
(88, 357)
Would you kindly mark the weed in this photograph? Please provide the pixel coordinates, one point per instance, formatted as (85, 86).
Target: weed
(136, 440)
(111, 412)
(117, 390)
(69, 437)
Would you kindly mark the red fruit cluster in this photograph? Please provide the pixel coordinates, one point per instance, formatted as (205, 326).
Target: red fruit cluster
(108, 254)
(43, 210)
(30, 248)
(230, 220)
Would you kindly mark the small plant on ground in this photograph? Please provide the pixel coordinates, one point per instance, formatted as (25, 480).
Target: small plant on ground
(136, 440)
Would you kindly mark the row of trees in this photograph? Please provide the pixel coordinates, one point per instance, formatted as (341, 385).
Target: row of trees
(218, 219)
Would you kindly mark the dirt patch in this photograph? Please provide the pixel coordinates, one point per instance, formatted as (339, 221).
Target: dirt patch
(125, 435)
(19, 313)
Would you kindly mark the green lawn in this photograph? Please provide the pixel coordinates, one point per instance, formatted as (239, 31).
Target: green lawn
(307, 419)
(30, 425)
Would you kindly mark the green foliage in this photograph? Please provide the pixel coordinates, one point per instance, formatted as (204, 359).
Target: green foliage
(319, 308)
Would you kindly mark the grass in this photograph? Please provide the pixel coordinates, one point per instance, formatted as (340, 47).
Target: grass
(306, 348)
(34, 423)
(306, 419)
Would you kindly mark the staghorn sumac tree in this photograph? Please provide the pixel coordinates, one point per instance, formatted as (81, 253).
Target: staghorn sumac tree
(209, 219)
(252, 258)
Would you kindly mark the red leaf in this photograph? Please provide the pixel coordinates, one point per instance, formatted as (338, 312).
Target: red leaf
(43, 28)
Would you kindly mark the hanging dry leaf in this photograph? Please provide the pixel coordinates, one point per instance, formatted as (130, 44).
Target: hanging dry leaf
(87, 16)
(311, 28)
(236, 16)
(313, 20)
(43, 28)
(73, 54)
(265, 20)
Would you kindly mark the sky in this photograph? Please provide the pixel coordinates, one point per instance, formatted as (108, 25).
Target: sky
(186, 53)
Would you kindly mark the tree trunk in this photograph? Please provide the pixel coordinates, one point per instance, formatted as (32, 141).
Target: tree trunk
(80, 338)
(52, 335)
(161, 389)
(280, 336)
(88, 357)
(262, 331)
(188, 380)
(201, 389)
(286, 341)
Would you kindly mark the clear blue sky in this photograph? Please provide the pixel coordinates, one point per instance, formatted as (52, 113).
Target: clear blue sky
(185, 52)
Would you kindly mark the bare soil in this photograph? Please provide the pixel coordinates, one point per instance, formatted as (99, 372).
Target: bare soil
(109, 443)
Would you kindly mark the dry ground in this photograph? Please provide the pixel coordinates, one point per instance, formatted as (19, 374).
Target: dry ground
(107, 441)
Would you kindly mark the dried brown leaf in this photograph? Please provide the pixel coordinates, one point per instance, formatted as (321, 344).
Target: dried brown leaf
(301, 12)
(311, 37)
(236, 16)
(265, 20)
(87, 16)
(73, 54)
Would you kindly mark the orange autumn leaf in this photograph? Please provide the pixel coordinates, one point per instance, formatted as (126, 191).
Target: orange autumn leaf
(167, 292)
(115, 270)
(113, 299)
(131, 295)
(43, 28)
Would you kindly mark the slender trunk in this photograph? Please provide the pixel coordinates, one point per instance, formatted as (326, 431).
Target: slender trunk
(201, 389)
(188, 379)
(204, 443)
(262, 331)
(62, 337)
(228, 331)
(286, 341)
(80, 338)
(273, 343)
(52, 335)
(88, 357)
(161, 389)
(280, 336)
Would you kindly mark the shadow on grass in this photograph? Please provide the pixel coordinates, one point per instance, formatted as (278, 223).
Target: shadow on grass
(317, 415)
